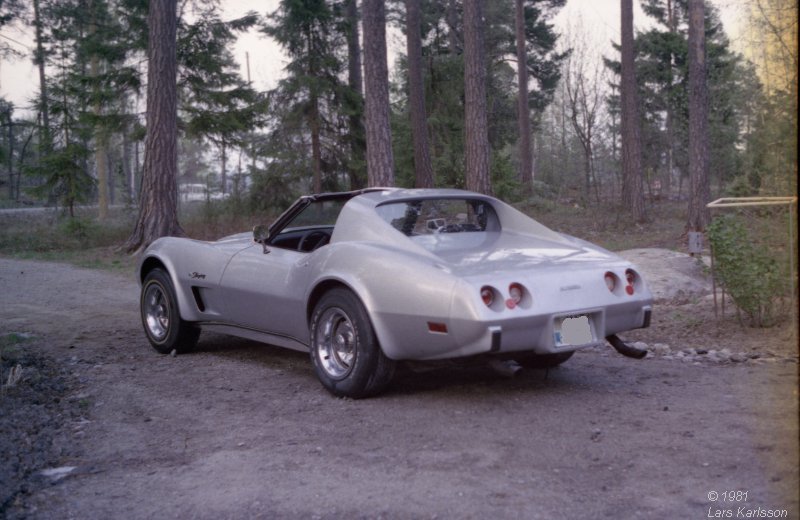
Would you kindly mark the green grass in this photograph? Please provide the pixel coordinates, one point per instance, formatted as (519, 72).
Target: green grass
(85, 242)
(81, 241)
(10, 345)
(105, 258)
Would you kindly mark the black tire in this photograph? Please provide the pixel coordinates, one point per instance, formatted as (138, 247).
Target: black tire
(544, 360)
(345, 353)
(161, 319)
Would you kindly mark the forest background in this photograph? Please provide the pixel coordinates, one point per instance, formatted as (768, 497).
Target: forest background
(556, 146)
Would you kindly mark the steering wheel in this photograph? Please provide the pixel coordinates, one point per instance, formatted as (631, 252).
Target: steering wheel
(312, 240)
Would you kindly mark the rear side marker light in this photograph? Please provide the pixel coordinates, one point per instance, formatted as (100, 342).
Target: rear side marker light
(439, 328)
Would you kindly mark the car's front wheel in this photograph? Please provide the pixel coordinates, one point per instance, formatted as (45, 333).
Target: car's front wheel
(344, 350)
(162, 322)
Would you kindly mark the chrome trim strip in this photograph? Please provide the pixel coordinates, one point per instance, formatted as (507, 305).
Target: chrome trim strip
(261, 336)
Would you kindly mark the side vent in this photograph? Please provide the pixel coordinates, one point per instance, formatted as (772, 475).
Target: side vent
(198, 299)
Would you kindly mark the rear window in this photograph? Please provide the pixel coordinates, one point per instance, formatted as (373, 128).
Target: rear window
(434, 216)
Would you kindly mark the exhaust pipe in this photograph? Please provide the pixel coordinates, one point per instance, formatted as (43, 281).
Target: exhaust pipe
(625, 350)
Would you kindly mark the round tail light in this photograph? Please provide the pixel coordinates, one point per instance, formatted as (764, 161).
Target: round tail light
(611, 281)
(487, 295)
(630, 277)
(515, 293)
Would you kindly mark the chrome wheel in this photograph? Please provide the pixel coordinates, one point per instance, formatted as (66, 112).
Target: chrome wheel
(161, 318)
(156, 312)
(345, 353)
(336, 341)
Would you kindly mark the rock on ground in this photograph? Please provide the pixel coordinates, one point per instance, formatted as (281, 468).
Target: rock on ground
(669, 274)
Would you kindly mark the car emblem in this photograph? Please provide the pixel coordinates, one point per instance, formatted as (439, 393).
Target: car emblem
(197, 276)
(570, 287)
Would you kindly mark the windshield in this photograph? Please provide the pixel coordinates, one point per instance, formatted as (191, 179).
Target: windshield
(434, 216)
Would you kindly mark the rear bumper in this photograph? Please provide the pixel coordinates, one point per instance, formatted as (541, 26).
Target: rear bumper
(537, 333)
(525, 333)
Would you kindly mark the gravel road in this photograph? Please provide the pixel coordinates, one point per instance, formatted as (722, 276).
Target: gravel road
(242, 430)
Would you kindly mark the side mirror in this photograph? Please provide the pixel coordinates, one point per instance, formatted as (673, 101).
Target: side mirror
(260, 235)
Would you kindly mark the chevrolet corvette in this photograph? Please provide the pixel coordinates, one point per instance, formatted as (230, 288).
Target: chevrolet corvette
(364, 279)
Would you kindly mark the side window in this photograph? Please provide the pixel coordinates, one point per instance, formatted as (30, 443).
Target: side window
(318, 214)
(311, 228)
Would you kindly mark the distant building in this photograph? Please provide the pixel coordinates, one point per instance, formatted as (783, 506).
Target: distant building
(197, 192)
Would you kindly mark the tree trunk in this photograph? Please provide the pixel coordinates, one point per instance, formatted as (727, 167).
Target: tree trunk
(223, 146)
(158, 202)
(614, 158)
(316, 145)
(452, 27)
(380, 159)
(10, 155)
(126, 163)
(670, 116)
(699, 184)
(632, 194)
(136, 180)
(101, 165)
(355, 121)
(314, 120)
(419, 124)
(44, 145)
(100, 159)
(21, 163)
(523, 111)
(476, 128)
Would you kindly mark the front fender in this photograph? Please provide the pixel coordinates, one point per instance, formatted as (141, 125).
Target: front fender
(189, 263)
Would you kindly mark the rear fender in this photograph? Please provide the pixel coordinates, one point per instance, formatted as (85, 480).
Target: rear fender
(400, 292)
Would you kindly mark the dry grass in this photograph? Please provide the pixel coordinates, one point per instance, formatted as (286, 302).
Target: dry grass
(609, 226)
(85, 242)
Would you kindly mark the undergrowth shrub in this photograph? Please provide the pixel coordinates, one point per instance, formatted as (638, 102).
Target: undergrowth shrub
(748, 272)
(79, 229)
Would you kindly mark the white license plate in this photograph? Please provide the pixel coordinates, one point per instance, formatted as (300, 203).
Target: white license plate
(573, 331)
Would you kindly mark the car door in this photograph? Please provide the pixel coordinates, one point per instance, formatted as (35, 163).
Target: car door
(265, 291)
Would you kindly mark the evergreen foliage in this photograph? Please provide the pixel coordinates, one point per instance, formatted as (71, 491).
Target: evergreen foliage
(66, 179)
(216, 103)
(662, 75)
(306, 133)
(310, 106)
(87, 51)
(444, 88)
(10, 10)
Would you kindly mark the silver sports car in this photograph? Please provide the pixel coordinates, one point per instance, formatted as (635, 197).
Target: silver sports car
(364, 279)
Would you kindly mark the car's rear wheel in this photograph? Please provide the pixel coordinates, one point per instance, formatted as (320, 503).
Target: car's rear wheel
(162, 322)
(344, 350)
(544, 360)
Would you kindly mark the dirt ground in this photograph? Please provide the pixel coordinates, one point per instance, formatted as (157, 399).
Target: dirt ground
(98, 425)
